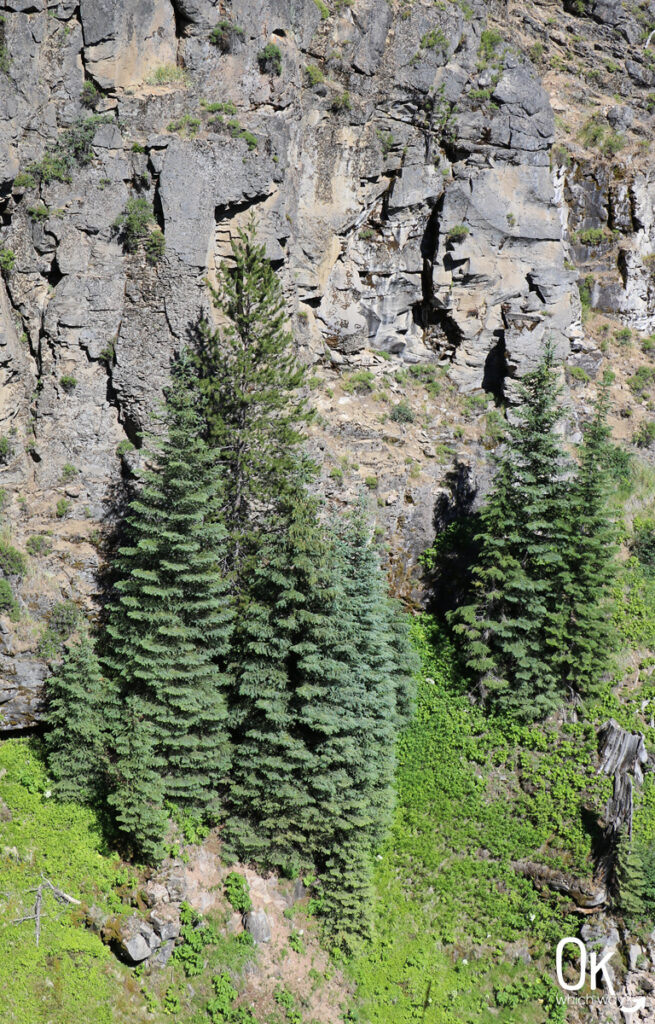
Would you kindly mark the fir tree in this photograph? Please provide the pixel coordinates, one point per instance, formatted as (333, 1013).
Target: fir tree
(136, 782)
(250, 379)
(356, 757)
(512, 632)
(636, 877)
(169, 629)
(319, 693)
(291, 600)
(589, 555)
(76, 737)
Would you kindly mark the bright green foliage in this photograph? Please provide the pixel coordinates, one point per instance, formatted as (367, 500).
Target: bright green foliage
(64, 978)
(589, 554)
(72, 149)
(170, 624)
(270, 60)
(511, 632)
(237, 892)
(7, 259)
(248, 376)
(447, 899)
(636, 877)
(75, 741)
(196, 935)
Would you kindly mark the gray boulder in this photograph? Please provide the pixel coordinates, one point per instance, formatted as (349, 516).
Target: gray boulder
(137, 939)
(163, 954)
(165, 919)
(256, 922)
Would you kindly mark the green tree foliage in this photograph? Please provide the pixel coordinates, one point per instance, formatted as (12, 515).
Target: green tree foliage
(511, 631)
(286, 622)
(538, 623)
(76, 738)
(136, 780)
(589, 555)
(249, 377)
(636, 878)
(169, 628)
(321, 688)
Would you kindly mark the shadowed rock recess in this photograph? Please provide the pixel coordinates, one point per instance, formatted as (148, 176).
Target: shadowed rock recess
(400, 168)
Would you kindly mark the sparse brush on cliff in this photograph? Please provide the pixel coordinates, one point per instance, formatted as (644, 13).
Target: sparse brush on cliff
(137, 230)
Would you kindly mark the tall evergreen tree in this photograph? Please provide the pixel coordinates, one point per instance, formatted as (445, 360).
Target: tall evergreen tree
(169, 629)
(589, 555)
(287, 618)
(136, 781)
(512, 631)
(250, 379)
(317, 710)
(357, 761)
(76, 737)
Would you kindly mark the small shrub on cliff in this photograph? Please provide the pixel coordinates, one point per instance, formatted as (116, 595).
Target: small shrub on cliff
(237, 892)
(168, 74)
(155, 246)
(457, 233)
(361, 381)
(186, 125)
(225, 35)
(341, 102)
(8, 602)
(402, 412)
(644, 435)
(89, 95)
(72, 149)
(68, 382)
(7, 260)
(314, 74)
(435, 40)
(137, 229)
(38, 545)
(12, 561)
(270, 60)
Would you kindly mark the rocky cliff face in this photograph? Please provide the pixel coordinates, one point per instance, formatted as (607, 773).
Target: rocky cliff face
(399, 160)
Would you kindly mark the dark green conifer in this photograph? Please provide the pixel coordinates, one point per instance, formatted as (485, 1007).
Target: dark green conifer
(76, 735)
(169, 629)
(250, 379)
(589, 555)
(512, 631)
(286, 619)
(317, 711)
(136, 782)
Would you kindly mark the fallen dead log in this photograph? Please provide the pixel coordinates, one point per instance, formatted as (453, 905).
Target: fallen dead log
(588, 895)
(622, 754)
(37, 915)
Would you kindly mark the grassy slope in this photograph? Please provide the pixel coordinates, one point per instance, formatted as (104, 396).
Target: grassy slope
(66, 979)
